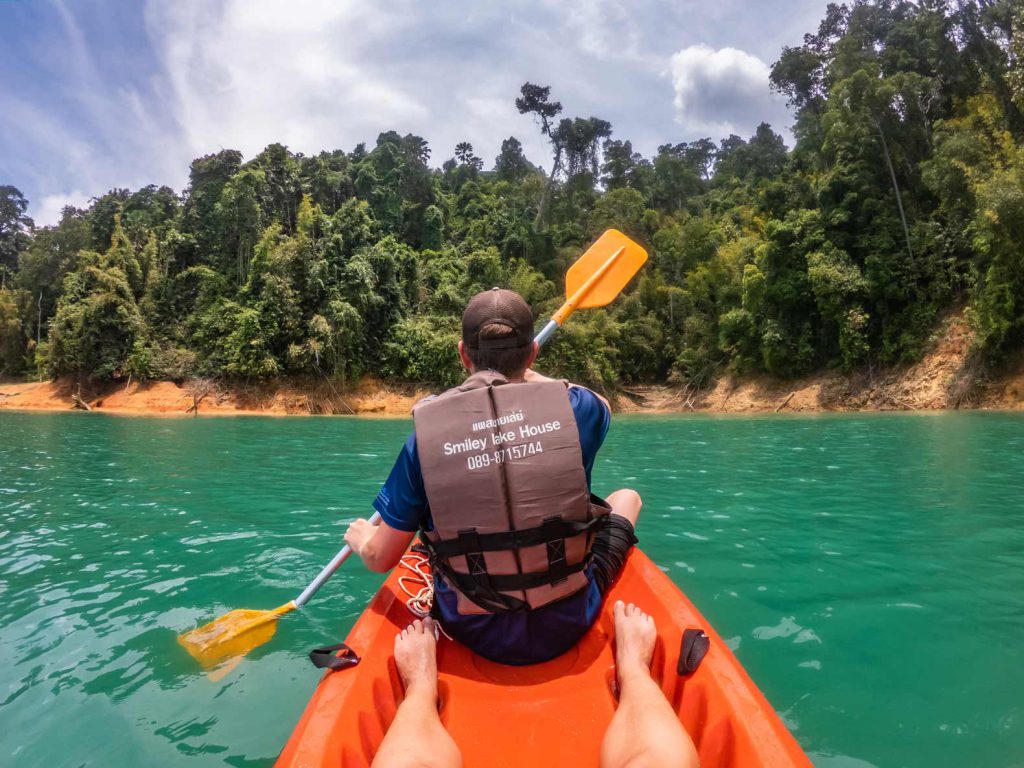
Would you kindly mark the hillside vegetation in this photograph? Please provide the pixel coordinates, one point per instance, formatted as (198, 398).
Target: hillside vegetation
(903, 196)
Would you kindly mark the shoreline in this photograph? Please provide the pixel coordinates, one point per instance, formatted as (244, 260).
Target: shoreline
(370, 398)
(945, 378)
(203, 397)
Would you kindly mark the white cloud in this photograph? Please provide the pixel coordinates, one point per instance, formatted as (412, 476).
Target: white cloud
(718, 92)
(100, 137)
(48, 210)
(243, 74)
(328, 75)
(124, 109)
(605, 29)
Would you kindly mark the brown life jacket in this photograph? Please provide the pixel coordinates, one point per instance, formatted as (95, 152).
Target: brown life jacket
(503, 473)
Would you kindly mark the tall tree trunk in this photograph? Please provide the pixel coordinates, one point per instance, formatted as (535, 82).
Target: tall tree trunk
(895, 187)
(540, 222)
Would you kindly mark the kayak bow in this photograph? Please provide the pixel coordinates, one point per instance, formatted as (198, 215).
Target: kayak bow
(546, 714)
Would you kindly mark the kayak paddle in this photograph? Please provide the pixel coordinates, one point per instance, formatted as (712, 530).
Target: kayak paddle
(597, 277)
(238, 632)
(594, 280)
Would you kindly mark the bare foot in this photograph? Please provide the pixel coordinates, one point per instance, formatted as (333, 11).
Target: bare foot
(635, 635)
(416, 658)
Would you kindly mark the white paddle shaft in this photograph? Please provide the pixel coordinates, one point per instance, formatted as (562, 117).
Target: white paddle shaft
(328, 571)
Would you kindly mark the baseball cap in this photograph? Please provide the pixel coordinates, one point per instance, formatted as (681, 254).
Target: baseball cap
(501, 307)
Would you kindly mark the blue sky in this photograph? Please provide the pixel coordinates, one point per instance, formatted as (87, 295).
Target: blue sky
(96, 94)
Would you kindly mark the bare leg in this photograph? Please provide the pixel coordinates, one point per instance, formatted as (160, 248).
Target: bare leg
(416, 737)
(625, 502)
(645, 732)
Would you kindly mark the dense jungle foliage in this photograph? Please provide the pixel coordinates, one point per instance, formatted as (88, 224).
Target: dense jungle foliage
(903, 195)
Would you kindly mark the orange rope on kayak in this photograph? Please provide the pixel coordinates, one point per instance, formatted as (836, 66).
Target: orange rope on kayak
(418, 586)
(420, 600)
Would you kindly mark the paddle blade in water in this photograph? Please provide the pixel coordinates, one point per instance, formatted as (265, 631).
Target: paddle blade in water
(606, 280)
(233, 634)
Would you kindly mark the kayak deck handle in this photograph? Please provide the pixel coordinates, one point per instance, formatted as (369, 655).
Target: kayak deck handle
(692, 651)
(329, 658)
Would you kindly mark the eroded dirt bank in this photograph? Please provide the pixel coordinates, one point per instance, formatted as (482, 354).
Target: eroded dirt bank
(207, 398)
(945, 378)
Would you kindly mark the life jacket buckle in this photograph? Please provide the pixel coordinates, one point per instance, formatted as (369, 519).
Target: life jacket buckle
(558, 568)
(469, 542)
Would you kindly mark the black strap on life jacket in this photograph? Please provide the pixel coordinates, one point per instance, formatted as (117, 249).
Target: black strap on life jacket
(552, 529)
(486, 589)
(476, 585)
(558, 569)
(515, 582)
(469, 546)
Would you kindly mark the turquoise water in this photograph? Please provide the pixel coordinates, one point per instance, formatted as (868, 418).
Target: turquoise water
(868, 571)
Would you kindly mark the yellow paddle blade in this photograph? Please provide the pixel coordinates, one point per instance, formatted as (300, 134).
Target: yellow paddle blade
(233, 634)
(606, 280)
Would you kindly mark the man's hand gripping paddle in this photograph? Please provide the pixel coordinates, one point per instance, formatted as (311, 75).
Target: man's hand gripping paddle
(597, 277)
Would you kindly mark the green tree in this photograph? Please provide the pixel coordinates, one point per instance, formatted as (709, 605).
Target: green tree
(424, 348)
(208, 176)
(97, 321)
(622, 209)
(511, 164)
(15, 228)
(12, 335)
(536, 100)
(44, 265)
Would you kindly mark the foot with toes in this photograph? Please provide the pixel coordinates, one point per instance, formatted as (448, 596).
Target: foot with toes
(416, 658)
(635, 636)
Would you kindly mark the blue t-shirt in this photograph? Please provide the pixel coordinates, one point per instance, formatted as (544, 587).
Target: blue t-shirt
(522, 637)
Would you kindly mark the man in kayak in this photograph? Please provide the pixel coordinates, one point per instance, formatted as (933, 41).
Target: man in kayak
(498, 482)
(496, 476)
(644, 731)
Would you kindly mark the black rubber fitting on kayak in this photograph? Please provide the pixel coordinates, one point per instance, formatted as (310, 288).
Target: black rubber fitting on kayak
(329, 658)
(692, 651)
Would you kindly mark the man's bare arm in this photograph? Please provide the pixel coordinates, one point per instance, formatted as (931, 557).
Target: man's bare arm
(379, 546)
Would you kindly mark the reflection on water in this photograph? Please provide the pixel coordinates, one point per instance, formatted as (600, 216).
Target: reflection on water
(866, 570)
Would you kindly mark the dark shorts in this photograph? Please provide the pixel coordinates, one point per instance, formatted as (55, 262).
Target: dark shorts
(612, 543)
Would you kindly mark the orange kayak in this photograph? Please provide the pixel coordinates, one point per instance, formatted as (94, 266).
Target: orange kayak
(547, 714)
